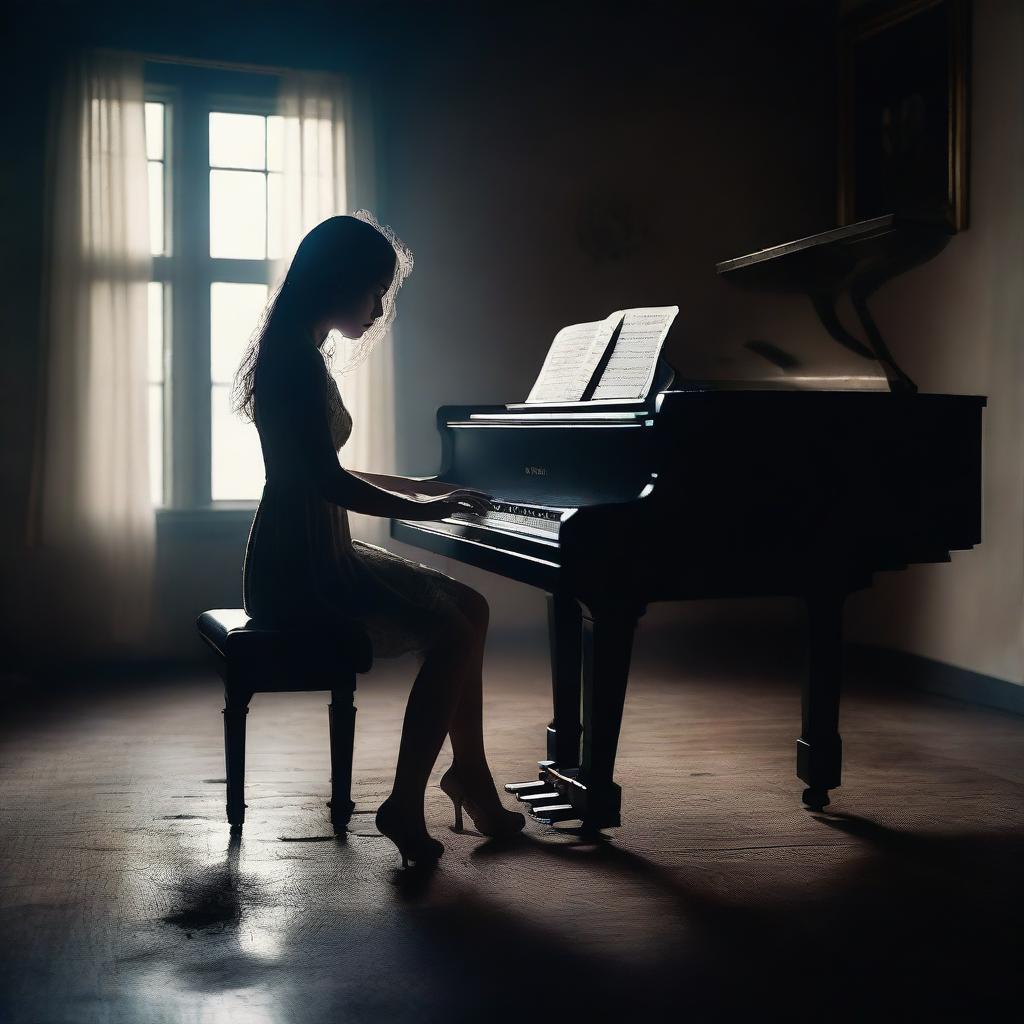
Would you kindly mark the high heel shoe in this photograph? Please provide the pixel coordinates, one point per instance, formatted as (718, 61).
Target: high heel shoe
(508, 825)
(422, 849)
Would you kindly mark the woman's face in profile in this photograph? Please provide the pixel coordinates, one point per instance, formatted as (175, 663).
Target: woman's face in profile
(355, 322)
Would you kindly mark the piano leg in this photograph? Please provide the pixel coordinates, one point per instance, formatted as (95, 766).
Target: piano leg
(819, 751)
(564, 636)
(607, 647)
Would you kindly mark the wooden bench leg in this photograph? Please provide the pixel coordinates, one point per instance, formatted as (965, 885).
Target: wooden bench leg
(343, 730)
(236, 707)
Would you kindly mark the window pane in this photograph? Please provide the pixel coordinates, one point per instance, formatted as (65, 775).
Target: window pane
(236, 461)
(275, 216)
(275, 142)
(238, 215)
(156, 443)
(155, 131)
(155, 331)
(234, 312)
(237, 140)
(156, 208)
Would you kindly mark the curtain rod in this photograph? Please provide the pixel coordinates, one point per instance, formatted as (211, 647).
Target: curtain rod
(202, 62)
(221, 65)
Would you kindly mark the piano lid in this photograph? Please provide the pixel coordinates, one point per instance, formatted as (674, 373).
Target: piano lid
(843, 266)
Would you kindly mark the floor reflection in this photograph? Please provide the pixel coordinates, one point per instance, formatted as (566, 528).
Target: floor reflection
(211, 899)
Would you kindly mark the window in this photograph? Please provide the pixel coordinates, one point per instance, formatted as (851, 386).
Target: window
(214, 146)
(156, 151)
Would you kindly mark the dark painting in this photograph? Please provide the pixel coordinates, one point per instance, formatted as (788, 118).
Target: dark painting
(903, 115)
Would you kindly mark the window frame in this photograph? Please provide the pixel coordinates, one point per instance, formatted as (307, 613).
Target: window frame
(187, 271)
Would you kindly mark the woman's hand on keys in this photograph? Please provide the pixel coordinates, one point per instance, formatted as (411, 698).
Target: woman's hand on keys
(462, 499)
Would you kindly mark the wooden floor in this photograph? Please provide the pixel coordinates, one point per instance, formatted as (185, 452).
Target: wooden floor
(125, 900)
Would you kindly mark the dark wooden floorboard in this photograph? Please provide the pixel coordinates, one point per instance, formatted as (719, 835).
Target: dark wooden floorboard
(123, 899)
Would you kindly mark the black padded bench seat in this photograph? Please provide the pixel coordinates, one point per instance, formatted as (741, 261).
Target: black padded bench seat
(231, 633)
(253, 658)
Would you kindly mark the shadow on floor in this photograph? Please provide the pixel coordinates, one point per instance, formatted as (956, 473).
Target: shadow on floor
(920, 926)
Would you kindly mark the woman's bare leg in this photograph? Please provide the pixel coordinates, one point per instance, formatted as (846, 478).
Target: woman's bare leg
(428, 716)
(467, 732)
(467, 723)
(447, 698)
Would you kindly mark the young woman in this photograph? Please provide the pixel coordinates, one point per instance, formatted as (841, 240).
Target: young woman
(301, 563)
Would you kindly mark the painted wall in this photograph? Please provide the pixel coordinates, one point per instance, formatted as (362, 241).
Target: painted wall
(957, 325)
(544, 179)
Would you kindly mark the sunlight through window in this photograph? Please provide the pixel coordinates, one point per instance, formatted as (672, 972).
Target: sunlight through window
(246, 202)
(236, 460)
(155, 160)
(238, 140)
(155, 387)
(238, 215)
(156, 390)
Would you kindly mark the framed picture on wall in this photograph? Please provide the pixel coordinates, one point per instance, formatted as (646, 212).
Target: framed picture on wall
(903, 115)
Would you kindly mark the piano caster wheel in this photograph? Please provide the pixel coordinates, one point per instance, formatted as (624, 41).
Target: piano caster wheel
(816, 799)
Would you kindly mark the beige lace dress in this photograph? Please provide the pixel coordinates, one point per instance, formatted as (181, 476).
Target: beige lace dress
(301, 563)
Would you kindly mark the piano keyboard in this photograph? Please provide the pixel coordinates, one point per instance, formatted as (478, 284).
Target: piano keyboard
(534, 520)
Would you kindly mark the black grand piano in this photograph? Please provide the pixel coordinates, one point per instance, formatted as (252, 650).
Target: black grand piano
(786, 484)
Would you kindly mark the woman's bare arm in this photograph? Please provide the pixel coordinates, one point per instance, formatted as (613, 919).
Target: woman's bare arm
(357, 494)
(305, 415)
(408, 486)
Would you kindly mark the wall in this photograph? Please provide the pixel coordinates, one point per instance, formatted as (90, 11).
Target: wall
(549, 177)
(958, 326)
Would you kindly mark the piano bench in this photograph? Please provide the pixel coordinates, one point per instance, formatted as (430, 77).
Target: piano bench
(255, 659)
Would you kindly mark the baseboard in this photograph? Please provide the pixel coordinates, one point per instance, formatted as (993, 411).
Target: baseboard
(937, 677)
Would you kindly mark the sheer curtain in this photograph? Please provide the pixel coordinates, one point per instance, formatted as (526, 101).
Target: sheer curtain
(92, 511)
(328, 170)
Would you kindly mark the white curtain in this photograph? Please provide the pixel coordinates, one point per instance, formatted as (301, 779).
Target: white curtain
(93, 514)
(328, 170)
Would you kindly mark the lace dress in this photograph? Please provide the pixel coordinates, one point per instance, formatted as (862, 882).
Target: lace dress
(301, 563)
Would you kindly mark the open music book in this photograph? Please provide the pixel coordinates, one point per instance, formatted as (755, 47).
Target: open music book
(607, 360)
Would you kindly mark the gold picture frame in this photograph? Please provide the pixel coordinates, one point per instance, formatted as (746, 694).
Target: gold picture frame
(904, 113)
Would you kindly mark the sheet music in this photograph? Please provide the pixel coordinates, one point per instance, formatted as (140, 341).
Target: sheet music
(629, 372)
(572, 360)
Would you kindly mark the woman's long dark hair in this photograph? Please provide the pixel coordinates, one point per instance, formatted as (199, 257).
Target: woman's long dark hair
(334, 267)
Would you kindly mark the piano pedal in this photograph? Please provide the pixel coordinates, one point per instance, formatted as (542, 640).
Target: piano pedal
(554, 812)
(549, 796)
(521, 788)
